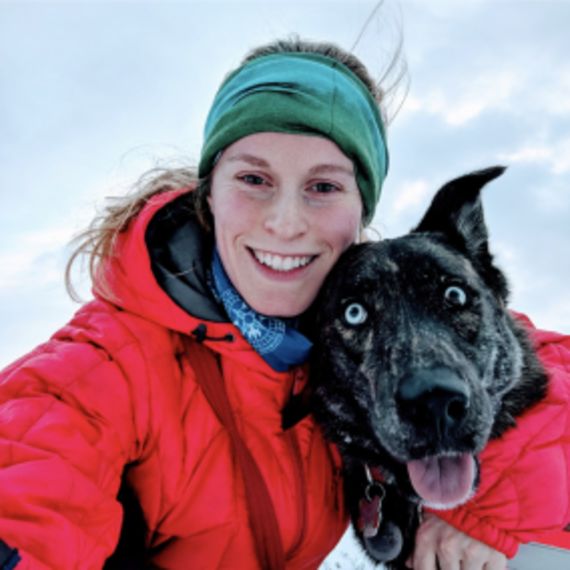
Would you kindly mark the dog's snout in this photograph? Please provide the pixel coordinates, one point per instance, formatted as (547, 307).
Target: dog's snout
(434, 398)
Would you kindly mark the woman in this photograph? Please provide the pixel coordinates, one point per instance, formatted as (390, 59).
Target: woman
(167, 389)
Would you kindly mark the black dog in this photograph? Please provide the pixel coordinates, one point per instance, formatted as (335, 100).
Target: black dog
(417, 365)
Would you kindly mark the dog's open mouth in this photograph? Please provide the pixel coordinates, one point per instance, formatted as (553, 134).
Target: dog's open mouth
(443, 481)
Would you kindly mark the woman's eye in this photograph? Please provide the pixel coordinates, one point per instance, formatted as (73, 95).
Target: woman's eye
(455, 296)
(324, 188)
(252, 179)
(355, 314)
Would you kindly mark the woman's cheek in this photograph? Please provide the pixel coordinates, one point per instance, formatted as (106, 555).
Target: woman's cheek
(348, 228)
(233, 205)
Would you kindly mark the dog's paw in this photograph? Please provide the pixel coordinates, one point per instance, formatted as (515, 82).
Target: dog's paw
(386, 545)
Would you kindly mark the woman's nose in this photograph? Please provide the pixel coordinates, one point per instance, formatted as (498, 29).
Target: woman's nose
(287, 218)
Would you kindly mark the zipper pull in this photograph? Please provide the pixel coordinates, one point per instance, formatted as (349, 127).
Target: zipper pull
(200, 333)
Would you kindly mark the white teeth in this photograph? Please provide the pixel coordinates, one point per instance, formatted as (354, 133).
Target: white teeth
(281, 263)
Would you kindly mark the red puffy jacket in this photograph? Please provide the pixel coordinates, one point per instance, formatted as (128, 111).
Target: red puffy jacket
(115, 388)
(524, 493)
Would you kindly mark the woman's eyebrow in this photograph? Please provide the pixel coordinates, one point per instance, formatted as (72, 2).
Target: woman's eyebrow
(249, 158)
(324, 168)
(318, 169)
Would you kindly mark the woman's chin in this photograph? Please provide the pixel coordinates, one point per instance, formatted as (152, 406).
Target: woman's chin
(280, 306)
(284, 313)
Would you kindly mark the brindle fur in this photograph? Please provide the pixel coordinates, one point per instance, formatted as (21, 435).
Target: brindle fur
(411, 327)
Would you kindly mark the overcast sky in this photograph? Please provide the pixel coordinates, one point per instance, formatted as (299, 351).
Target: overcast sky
(94, 93)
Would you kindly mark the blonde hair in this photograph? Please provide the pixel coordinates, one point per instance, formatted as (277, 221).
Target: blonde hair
(97, 241)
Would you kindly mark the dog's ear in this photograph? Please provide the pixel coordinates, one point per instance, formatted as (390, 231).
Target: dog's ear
(457, 213)
(456, 209)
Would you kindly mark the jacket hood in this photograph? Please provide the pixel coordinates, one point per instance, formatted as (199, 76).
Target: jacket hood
(159, 271)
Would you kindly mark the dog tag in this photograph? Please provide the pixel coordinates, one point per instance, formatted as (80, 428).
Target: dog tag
(370, 510)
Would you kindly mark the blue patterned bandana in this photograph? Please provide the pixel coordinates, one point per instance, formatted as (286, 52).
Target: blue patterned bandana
(274, 339)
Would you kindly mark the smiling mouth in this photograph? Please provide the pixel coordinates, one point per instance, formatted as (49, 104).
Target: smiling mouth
(282, 262)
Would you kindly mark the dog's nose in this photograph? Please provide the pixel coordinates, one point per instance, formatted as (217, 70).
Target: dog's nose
(435, 397)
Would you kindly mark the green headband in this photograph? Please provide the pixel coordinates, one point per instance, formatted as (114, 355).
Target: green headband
(301, 93)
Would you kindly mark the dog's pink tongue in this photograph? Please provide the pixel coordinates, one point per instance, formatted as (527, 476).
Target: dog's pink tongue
(443, 481)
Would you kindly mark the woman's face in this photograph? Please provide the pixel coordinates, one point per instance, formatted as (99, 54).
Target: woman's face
(285, 207)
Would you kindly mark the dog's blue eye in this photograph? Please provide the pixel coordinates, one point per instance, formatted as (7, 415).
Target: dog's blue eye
(455, 296)
(355, 314)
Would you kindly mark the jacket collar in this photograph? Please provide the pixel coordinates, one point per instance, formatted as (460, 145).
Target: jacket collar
(144, 279)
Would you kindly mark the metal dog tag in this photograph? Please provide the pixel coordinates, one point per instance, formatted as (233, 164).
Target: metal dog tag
(370, 510)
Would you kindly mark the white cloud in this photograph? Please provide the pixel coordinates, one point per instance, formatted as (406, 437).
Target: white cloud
(467, 99)
(34, 258)
(555, 156)
(410, 195)
(532, 153)
(402, 207)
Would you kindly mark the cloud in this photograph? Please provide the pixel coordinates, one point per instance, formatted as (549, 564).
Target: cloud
(34, 259)
(555, 156)
(402, 206)
(410, 195)
(467, 98)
